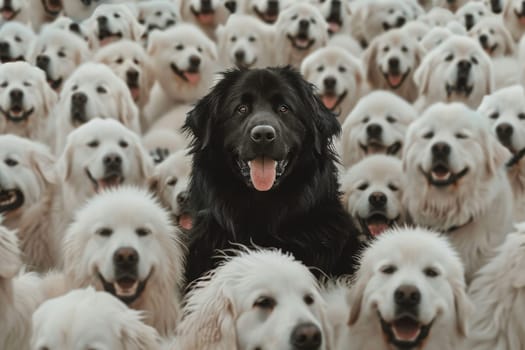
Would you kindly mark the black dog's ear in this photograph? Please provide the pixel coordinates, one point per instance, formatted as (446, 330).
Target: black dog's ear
(199, 121)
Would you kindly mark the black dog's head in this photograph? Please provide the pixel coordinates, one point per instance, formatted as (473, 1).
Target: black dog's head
(265, 124)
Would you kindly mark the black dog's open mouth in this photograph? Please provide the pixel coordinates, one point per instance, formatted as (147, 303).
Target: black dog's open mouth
(17, 114)
(189, 76)
(441, 176)
(374, 147)
(263, 173)
(405, 332)
(204, 16)
(395, 80)
(459, 88)
(11, 200)
(8, 13)
(377, 223)
(332, 101)
(110, 180)
(127, 288)
(268, 17)
(301, 42)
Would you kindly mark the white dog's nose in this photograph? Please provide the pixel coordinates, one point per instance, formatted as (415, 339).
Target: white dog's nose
(407, 296)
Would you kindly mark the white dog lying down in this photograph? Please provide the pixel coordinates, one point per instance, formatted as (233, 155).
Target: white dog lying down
(93, 319)
(409, 293)
(256, 300)
(505, 110)
(497, 291)
(123, 242)
(19, 295)
(372, 192)
(377, 124)
(458, 183)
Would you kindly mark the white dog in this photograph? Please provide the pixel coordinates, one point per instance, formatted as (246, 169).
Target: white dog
(256, 300)
(372, 194)
(26, 101)
(207, 14)
(338, 76)
(93, 319)
(377, 124)
(494, 37)
(514, 18)
(505, 110)
(93, 91)
(123, 242)
(497, 292)
(409, 293)
(300, 30)
(158, 14)
(15, 41)
(458, 184)
(15, 10)
(338, 16)
(265, 10)
(458, 70)
(471, 13)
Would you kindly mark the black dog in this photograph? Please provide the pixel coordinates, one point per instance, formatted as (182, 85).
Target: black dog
(264, 173)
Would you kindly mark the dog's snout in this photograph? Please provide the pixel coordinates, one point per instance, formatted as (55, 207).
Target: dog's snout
(42, 62)
(182, 197)
(16, 95)
(441, 149)
(464, 66)
(306, 336)
(240, 55)
(329, 83)
(377, 199)
(393, 63)
(102, 20)
(112, 160)
(469, 21)
(195, 61)
(171, 22)
(400, 21)
(273, 4)
(304, 24)
(483, 39)
(374, 130)
(79, 98)
(263, 134)
(4, 46)
(126, 258)
(407, 296)
(504, 132)
(75, 27)
(132, 76)
(496, 6)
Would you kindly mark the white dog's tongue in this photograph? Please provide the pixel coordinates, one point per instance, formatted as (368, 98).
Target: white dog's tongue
(7, 14)
(377, 229)
(394, 80)
(262, 173)
(206, 18)
(334, 27)
(193, 78)
(329, 101)
(406, 329)
(522, 20)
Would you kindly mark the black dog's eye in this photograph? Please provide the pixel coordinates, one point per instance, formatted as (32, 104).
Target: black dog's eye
(494, 115)
(366, 120)
(179, 47)
(10, 162)
(521, 116)
(142, 231)
(123, 144)
(342, 69)
(93, 144)
(266, 303)
(101, 90)
(320, 69)
(404, 48)
(393, 187)
(363, 187)
(308, 299)
(283, 109)
(386, 49)
(449, 58)
(172, 181)
(391, 119)
(431, 272)
(428, 135)
(389, 270)
(474, 60)
(242, 109)
(104, 232)
(119, 60)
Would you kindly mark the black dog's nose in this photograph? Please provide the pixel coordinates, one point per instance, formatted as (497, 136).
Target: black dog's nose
(469, 21)
(329, 83)
(263, 134)
(306, 336)
(132, 76)
(112, 160)
(4, 46)
(407, 296)
(240, 55)
(374, 130)
(79, 98)
(182, 197)
(304, 24)
(377, 199)
(195, 61)
(126, 258)
(393, 63)
(504, 131)
(16, 95)
(42, 62)
(483, 39)
(400, 21)
(441, 149)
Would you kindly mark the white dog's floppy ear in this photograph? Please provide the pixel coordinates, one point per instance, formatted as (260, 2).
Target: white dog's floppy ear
(64, 164)
(135, 335)
(211, 49)
(488, 70)
(143, 158)
(43, 162)
(154, 39)
(420, 53)
(128, 111)
(355, 298)
(422, 73)
(370, 62)
(510, 45)
(496, 154)
(463, 307)
(137, 30)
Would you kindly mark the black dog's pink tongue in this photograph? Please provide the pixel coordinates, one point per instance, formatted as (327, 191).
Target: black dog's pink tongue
(262, 173)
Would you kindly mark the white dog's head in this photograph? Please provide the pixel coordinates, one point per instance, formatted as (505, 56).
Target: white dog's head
(450, 158)
(267, 10)
(131, 63)
(372, 192)
(377, 124)
(495, 39)
(337, 14)
(87, 319)
(123, 242)
(435, 37)
(112, 22)
(205, 13)
(103, 153)
(505, 110)
(13, 10)
(409, 291)
(15, 40)
(26, 172)
(58, 53)
(158, 14)
(256, 300)
(458, 70)
(471, 13)
(245, 43)
(183, 57)
(338, 76)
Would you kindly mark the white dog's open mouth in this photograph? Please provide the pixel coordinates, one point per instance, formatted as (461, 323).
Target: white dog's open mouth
(489, 49)
(17, 114)
(377, 223)
(405, 332)
(269, 16)
(332, 101)
(204, 17)
(192, 77)
(105, 36)
(52, 7)
(301, 42)
(460, 88)
(376, 147)
(441, 176)
(110, 180)
(8, 13)
(520, 16)
(395, 80)
(11, 200)
(126, 288)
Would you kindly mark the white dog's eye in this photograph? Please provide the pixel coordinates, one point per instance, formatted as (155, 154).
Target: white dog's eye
(386, 49)
(136, 61)
(266, 303)
(389, 269)
(521, 116)
(431, 272)
(391, 11)
(460, 135)
(74, 88)
(491, 31)
(104, 232)
(308, 299)
(179, 47)
(116, 15)
(233, 39)
(494, 115)
(404, 48)
(10, 162)
(393, 187)
(320, 69)
(391, 119)
(158, 13)
(365, 120)
(142, 231)
(342, 69)
(93, 144)
(449, 58)
(26, 83)
(474, 60)
(18, 39)
(428, 135)
(101, 90)
(4, 84)
(294, 17)
(172, 181)
(363, 187)
(313, 20)
(251, 39)
(61, 54)
(199, 48)
(119, 60)
(123, 144)
(481, 13)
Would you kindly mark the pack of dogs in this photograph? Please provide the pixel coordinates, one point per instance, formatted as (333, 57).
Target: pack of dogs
(262, 174)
